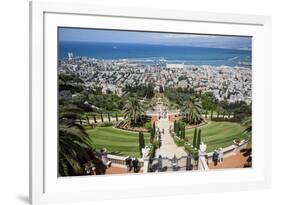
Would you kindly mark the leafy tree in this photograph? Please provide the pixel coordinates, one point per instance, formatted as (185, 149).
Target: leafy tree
(116, 116)
(209, 101)
(242, 111)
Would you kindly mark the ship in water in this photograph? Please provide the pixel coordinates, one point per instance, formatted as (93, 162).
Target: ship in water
(245, 64)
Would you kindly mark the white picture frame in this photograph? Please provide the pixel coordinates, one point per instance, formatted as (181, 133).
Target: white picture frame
(46, 187)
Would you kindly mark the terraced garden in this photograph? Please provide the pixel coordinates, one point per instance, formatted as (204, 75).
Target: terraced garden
(117, 141)
(218, 134)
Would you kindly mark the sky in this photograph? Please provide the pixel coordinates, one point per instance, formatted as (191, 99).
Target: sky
(111, 36)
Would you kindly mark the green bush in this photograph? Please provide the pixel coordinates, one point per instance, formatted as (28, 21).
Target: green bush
(148, 126)
(191, 150)
(179, 141)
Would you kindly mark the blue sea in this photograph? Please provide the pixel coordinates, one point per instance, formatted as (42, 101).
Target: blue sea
(144, 53)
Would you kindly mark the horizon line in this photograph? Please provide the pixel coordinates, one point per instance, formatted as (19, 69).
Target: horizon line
(159, 44)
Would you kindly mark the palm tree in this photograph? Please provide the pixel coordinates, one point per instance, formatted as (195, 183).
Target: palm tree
(247, 152)
(133, 110)
(248, 124)
(192, 110)
(73, 141)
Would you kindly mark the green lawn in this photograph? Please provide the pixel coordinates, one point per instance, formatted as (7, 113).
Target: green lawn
(217, 134)
(117, 141)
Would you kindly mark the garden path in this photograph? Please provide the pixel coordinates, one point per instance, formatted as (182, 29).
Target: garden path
(168, 147)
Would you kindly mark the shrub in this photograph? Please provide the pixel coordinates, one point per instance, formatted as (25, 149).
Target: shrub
(148, 126)
(157, 144)
(179, 141)
(191, 150)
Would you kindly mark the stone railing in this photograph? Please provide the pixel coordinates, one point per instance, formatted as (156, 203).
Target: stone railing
(120, 160)
(231, 149)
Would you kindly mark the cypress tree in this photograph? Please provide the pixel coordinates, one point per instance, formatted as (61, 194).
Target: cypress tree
(175, 124)
(194, 137)
(152, 135)
(199, 138)
(183, 131)
(101, 117)
(154, 127)
(178, 129)
(141, 142)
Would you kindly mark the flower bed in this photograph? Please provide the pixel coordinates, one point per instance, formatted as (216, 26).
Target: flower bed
(125, 126)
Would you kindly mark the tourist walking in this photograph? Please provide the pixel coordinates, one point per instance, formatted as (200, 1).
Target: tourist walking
(104, 158)
(128, 162)
(215, 157)
(220, 156)
(136, 164)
